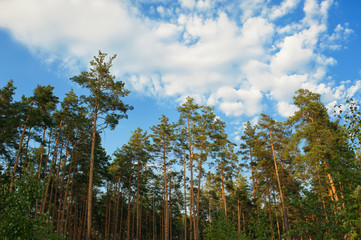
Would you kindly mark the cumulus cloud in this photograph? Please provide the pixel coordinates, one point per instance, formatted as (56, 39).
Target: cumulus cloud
(230, 56)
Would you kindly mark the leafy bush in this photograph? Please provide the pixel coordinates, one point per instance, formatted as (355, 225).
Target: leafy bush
(222, 228)
(17, 211)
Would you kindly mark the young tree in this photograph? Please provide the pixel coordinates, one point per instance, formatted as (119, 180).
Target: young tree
(106, 108)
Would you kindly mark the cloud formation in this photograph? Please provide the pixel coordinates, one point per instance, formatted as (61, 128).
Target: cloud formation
(233, 56)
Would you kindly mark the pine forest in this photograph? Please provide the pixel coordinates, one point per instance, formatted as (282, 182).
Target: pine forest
(296, 179)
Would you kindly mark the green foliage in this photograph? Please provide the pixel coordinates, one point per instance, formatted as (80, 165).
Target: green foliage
(222, 228)
(17, 215)
(105, 91)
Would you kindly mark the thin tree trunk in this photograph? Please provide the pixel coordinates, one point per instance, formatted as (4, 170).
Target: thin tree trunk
(252, 174)
(166, 220)
(107, 213)
(238, 217)
(223, 191)
(138, 203)
(91, 172)
(133, 220)
(170, 210)
(41, 152)
(116, 211)
(185, 198)
(270, 213)
(278, 225)
(55, 154)
(61, 185)
(121, 219)
(45, 166)
(190, 145)
(285, 217)
(129, 212)
(71, 170)
(244, 222)
(19, 149)
(196, 235)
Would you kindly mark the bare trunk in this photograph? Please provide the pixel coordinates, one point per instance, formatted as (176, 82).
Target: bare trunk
(270, 214)
(138, 204)
(129, 211)
(185, 199)
(278, 225)
(107, 207)
(41, 152)
(238, 217)
(121, 219)
(166, 220)
(19, 149)
(115, 229)
(55, 154)
(252, 174)
(71, 169)
(190, 143)
(285, 217)
(223, 191)
(196, 235)
(91, 172)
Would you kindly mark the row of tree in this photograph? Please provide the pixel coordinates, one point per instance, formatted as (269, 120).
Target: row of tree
(297, 179)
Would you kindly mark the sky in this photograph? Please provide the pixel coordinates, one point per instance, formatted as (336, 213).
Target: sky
(243, 57)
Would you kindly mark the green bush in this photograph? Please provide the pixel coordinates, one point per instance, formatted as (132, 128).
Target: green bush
(222, 228)
(17, 211)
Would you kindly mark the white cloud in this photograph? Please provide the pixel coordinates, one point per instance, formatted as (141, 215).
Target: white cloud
(203, 4)
(286, 109)
(187, 3)
(285, 8)
(250, 8)
(238, 102)
(226, 60)
(351, 91)
(338, 36)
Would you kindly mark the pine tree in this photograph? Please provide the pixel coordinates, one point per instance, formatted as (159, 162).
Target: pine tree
(163, 138)
(106, 107)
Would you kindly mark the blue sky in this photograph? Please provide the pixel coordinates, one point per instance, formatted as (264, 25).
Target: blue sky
(243, 57)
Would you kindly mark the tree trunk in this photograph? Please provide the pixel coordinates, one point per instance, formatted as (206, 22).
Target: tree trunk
(330, 179)
(196, 235)
(166, 220)
(41, 152)
(285, 217)
(238, 217)
(129, 211)
(116, 211)
(138, 204)
(55, 154)
(91, 172)
(278, 225)
(270, 213)
(185, 198)
(19, 149)
(71, 170)
(252, 174)
(190, 145)
(223, 191)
